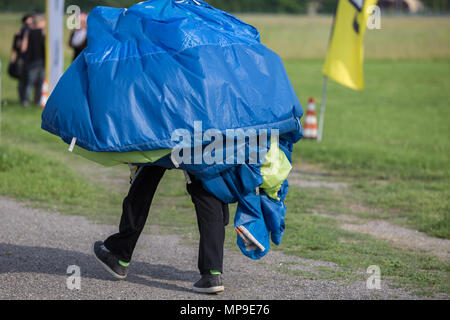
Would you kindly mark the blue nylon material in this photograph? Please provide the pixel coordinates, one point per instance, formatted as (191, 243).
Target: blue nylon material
(161, 65)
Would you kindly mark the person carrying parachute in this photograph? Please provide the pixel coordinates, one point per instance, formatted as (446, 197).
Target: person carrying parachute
(182, 85)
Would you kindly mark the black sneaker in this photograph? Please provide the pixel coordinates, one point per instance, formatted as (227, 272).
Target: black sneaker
(209, 283)
(108, 261)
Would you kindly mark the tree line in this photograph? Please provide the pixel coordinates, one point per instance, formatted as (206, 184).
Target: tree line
(277, 6)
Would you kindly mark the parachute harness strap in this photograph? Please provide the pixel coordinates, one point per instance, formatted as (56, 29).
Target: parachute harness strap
(72, 144)
(188, 179)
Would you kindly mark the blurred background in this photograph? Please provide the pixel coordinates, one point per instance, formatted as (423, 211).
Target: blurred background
(382, 167)
(268, 6)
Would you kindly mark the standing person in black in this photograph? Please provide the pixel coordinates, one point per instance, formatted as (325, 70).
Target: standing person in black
(33, 47)
(212, 216)
(17, 64)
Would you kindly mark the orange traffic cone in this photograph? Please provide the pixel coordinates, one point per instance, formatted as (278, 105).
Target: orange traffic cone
(310, 125)
(44, 93)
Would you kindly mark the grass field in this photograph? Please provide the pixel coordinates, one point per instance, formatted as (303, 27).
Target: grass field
(388, 143)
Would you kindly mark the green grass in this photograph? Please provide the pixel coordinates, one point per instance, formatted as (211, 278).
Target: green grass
(400, 38)
(390, 143)
(398, 126)
(28, 176)
(316, 237)
(395, 131)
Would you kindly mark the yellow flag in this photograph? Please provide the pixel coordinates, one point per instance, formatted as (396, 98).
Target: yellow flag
(344, 62)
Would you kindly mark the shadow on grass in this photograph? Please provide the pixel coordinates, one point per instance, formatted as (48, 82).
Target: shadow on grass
(55, 261)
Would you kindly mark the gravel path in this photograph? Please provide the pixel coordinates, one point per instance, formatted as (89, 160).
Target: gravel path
(37, 247)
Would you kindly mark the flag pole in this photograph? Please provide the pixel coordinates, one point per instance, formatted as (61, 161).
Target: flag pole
(47, 40)
(322, 108)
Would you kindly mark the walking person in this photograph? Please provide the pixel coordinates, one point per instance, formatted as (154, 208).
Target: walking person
(115, 253)
(33, 48)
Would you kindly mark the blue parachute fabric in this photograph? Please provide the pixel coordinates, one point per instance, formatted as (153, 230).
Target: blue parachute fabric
(259, 214)
(163, 66)
(274, 212)
(248, 213)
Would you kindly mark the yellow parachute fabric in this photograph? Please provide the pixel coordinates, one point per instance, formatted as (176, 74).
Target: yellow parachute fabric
(109, 159)
(275, 169)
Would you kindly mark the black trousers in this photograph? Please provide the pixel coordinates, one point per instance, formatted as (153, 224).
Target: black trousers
(212, 217)
(34, 77)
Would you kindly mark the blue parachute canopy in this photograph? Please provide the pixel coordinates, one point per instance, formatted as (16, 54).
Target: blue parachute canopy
(166, 65)
(161, 65)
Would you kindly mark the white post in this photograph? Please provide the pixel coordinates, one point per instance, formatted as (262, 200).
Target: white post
(322, 108)
(0, 101)
(55, 42)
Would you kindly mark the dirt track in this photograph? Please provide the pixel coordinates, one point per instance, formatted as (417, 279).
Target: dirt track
(37, 247)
